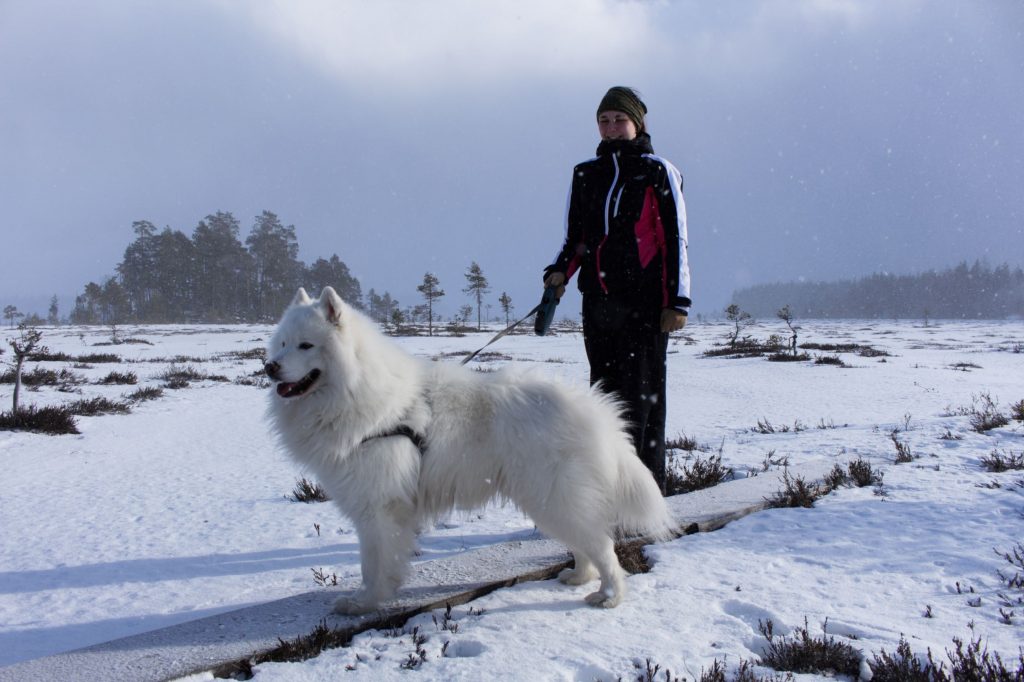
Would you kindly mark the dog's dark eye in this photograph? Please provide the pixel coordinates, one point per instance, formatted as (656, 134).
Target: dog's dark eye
(305, 346)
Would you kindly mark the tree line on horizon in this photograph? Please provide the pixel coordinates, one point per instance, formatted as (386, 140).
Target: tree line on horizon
(166, 276)
(978, 291)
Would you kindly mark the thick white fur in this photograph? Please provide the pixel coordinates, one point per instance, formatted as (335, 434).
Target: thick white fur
(561, 454)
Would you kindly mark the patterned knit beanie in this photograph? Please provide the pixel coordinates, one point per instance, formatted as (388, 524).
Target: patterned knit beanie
(626, 100)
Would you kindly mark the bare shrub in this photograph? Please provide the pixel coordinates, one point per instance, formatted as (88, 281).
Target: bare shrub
(121, 378)
(98, 358)
(700, 474)
(998, 461)
(145, 393)
(985, 415)
(903, 453)
(972, 663)
(1014, 557)
(181, 377)
(803, 653)
(687, 443)
(1017, 411)
(93, 407)
(789, 357)
(797, 493)
(53, 420)
(308, 491)
(830, 360)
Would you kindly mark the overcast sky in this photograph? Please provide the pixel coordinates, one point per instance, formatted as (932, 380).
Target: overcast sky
(818, 139)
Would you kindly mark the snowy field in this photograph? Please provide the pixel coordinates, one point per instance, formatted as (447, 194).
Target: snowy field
(181, 509)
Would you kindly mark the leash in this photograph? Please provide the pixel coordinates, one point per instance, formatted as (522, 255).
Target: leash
(502, 333)
(545, 313)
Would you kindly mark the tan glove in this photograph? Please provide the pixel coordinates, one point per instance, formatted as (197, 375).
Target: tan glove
(556, 279)
(672, 320)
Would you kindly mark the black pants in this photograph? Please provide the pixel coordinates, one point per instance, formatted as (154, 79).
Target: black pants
(626, 349)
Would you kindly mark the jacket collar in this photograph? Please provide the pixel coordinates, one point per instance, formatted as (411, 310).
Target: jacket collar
(641, 144)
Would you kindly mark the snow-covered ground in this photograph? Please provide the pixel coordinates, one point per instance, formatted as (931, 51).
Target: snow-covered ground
(181, 509)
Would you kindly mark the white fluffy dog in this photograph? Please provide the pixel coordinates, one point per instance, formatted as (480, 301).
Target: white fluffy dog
(351, 406)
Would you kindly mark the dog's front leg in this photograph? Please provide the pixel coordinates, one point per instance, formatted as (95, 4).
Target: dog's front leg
(386, 541)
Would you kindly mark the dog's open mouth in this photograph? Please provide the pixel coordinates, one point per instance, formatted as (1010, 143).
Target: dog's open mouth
(296, 388)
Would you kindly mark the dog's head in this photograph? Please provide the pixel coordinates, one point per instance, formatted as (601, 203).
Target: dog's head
(306, 337)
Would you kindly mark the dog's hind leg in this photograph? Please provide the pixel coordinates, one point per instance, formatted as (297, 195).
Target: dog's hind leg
(613, 583)
(581, 573)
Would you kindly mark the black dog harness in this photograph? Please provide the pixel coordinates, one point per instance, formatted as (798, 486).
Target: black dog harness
(404, 430)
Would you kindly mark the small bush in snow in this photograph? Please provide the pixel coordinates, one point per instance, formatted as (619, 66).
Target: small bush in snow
(98, 358)
(54, 420)
(250, 354)
(1015, 558)
(805, 654)
(1017, 411)
(145, 393)
(322, 579)
(179, 377)
(788, 357)
(308, 491)
(40, 376)
(797, 493)
(972, 663)
(764, 426)
(700, 474)
(648, 671)
(998, 462)
(829, 360)
(985, 415)
(903, 453)
(92, 407)
(857, 473)
(688, 443)
(121, 378)
(258, 379)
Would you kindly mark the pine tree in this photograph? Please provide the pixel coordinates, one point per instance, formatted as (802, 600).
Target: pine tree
(223, 269)
(11, 313)
(505, 301)
(431, 290)
(276, 270)
(477, 285)
(336, 274)
(138, 271)
(53, 316)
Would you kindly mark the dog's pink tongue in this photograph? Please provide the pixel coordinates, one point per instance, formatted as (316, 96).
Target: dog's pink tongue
(283, 389)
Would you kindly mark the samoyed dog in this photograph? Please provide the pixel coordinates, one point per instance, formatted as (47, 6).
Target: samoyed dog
(400, 442)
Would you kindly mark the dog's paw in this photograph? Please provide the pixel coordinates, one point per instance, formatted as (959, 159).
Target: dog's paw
(602, 600)
(570, 576)
(354, 604)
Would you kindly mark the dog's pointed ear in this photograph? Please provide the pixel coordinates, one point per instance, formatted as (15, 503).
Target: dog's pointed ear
(301, 297)
(332, 305)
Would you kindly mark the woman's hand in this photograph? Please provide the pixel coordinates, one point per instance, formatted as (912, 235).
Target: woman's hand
(556, 279)
(672, 320)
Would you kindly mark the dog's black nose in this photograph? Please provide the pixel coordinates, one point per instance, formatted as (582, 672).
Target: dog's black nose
(272, 368)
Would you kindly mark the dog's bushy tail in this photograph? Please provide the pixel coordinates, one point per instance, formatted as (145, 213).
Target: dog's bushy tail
(640, 509)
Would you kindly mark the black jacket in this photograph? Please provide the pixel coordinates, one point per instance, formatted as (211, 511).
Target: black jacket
(626, 227)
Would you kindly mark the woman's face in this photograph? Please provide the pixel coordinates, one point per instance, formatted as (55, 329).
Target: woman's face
(615, 125)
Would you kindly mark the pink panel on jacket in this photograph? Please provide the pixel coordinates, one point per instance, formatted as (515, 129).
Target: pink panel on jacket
(650, 234)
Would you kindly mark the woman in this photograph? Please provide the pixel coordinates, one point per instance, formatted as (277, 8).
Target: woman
(626, 235)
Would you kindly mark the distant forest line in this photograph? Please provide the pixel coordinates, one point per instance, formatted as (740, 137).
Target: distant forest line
(166, 276)
(978, 291)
